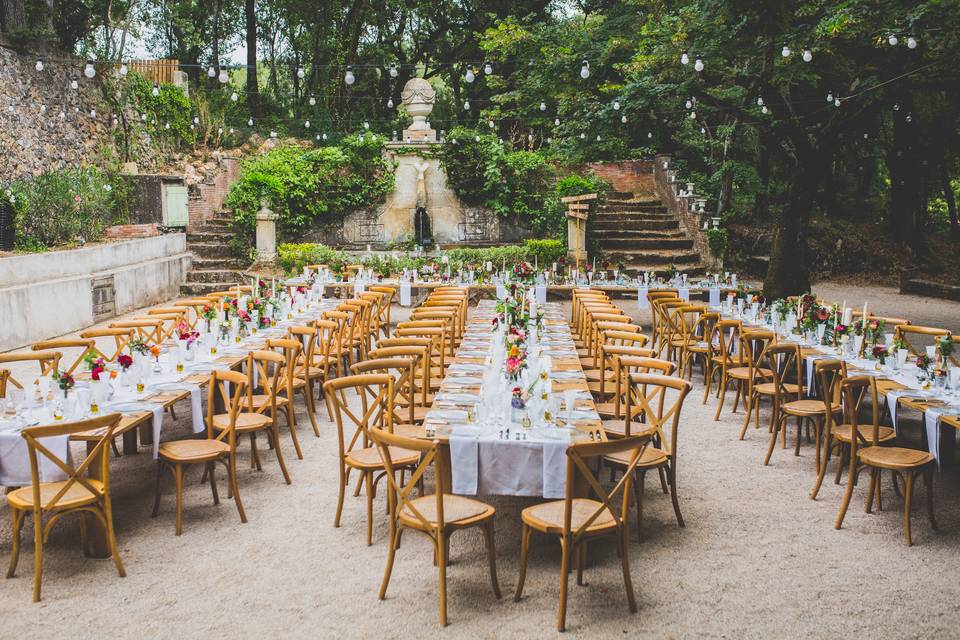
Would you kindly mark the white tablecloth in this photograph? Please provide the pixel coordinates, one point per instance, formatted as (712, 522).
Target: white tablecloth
(405, 294)
(491, 466)
(15, 458)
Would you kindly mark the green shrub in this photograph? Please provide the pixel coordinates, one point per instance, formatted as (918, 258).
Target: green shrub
(578, 185)
(305, 185)
(293, 257)
(63, 207)
(546, 251)
(171, 107)
(717, 241)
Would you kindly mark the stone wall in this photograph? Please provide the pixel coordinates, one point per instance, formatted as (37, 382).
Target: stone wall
(635, 176)
(44, 295)
(666, 191)
(208, 194)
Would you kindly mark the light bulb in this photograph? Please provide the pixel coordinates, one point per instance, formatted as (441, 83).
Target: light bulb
(348, 77)
(616, 105)
(317, 137)
(211, 72)
(693, 115)
(393, 70)
(389, 103)
(702, 130)
(93, 113)
(313, 100)
(585, 69)
(500, 141)
(764, 109)
(39, 65)
(556, 122)
(836, 102)
(830, 97)
(306, 125)
(143, 117)
(219, 131)
(324, 136)
(529, 137)
(549, 139)
(896, 107)
(476, 138)
(301, 73)
(454, 141)
(466, 105)
(196, 120)
(470, 77)
(273, 134)
(543, 106)
(911, 43)
(230, 131)
(224, 76)
(598, 138)
(166, 126)
(124, 69)
(234, 97)
(893, 40)
(88, 70)
(490, 124)
(249, 122)
(909, 118)
(698, 65)
(649, 134)
(43, 108)
(366, 125)
(689, 104)
(684, 58)
(760, 101)
(583, 136)
(156, 89)
(623, 119)
(487, 68)
(73, 84)
(807, 55)
(785, 52)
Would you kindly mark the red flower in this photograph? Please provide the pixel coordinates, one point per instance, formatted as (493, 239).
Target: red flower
(95, 373)
(124, 361)
(823, 314)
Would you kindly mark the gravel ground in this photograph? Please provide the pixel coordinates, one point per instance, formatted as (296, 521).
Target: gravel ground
(757, 559)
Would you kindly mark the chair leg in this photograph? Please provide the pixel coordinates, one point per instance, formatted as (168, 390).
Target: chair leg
(638, 485)
(844, 454)
(907, 503)
(112, 537)
(722, 392)
(822, 472)
(773, 439)
(581, 561)
(391, 554)
(847, 494)
(292, 426)
(565, 550)
(311, 407)
(275, 435)
(492, 557)
(442, 570)
(234, 487)
(342, 490)
(874, 478)
(18, 518)
(672, 479)
(746, 419)
(178, 482)
(37, 554)
(525, 535)
(625, 564)
(211, 471)
(368, 481)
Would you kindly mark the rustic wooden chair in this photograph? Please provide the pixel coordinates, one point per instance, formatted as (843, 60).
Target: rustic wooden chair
(310, 366)
(753, 344)
(48, 362)
(657, 400)
(438, 364)
(699, 347)
(404, 372)
(86, 490)
(912, 334)
(356, 449)
(291, 381)
(220, 444)
(122, 338)
(150, 331)
(866, 452)
(781, 360)
(78, 350)
(614, 414)
(724, 355)
(576, 521)
(438, 515)
(385, 307)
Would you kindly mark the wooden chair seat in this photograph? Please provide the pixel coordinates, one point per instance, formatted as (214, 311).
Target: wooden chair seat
(458, 511)
(743, 373)
(842, 433)
(807, 408)
(651, 457)
(586, 362)
(733, 361)
(595, 374)
(616, 429)
(245, 421)
(193, 450)
(369, 458)
(896, 458)
(409, 430)
(548, 516)
(770, 388)
(698, 347)
(77, 495)
(256, 402)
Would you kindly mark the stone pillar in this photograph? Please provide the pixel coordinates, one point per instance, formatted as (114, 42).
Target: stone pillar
(266, 262)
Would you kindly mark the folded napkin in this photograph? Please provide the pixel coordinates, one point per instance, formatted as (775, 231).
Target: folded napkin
(196, 400)
(464, 467)
(931, 419)
(448, 414)
(555, 468)
(893, 401)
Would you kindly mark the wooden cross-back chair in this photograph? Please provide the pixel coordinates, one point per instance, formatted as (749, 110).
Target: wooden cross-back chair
(853, 392)
(438, 364)
(775, 368)
(355, 448)
(686, 319)
(578, 297)
(598, 330)
(576, 521)
(911, 334)
(866, 453)
(419, 350)
(723, 354)
(193, 308)
(122, 337)
(829, 374)
(335, 346)
(86, 490)
(594, 312)
(615, 342)
(658, 400)
(667, 328)
(629, 361)
(376, 313)
(292, 379)
(437, 515)
(699, 347)
(259, 410)
(405, 400)
(753, 343)
(48, 362)
(580, 311)
(446, 313)
(655, 299)
(311, 366)
(171, 320)
(385, 307)
(351, 334)
(78, 349)
(360, 342)
(588, 355)
(150, 331)
(219, 446)
(443, 319)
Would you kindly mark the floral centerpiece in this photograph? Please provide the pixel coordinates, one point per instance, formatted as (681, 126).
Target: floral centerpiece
(124, 361)
(524, 272)
(139, 345)
(64, 380)
(187, 334)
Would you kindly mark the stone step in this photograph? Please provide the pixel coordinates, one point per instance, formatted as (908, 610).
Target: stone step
(654, 207)
(609, 230)
(610, 243)
(222, 276)
(207, 264)
(619, 216)
(192, 289)
(211, 250)
(210, 235)
(620, 195)
(608, 225)
(652, 256)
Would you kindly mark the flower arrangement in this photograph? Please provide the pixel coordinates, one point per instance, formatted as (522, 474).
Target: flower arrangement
(524, 272)
(781, 308)
(208, 312)
(124, 361)
(138, 345)
(184, 332)
(880, 353)
(64, 380)
(517, 401)
(945, 346)
(871, 331)
(924, 362)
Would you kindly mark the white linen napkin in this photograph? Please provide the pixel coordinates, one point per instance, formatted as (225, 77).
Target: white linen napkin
(684, 293)
(555, 469)
(893, 403)
(136, 407)
(463, 464)
(642, 301)
(931, 420)
(404, 294)
(541, 293)
(714, 296)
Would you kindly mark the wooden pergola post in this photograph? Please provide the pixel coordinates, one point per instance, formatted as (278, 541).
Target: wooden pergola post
(578, 209)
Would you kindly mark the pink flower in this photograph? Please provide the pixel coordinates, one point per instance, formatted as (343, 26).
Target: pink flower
(77, 199)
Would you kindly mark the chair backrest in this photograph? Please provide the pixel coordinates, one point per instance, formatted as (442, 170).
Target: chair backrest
(657, 399)
(404, 372)
(63, 344)
(307, 337)
(627, 361)
(376, 394)
(147, 330)
(784, 361)
(437, 336)
(402, 491)
(290, 349)
(270, 368)
(830, 373)
(580, 472)
(753, 342)
(97, 457)
(231, 388)
(48, 361)
(853, 391)
(122, 337)
(912, 335)
(725, 340)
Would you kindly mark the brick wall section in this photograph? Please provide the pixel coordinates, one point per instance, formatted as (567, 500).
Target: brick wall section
(667, 192)
(127, 231)
(634, 176)
(207, 199)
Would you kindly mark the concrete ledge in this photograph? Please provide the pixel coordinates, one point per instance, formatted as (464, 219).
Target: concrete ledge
(50, 294)
(930, 289)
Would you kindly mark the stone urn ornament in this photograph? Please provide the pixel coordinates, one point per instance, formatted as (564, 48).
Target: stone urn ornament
(418, 99)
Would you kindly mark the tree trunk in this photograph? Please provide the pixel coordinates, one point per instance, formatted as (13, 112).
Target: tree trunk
(761, 202)
(215, 43)
(14, 16)
(253, 87)
(950, 198)
(787, 273)
(903, 163)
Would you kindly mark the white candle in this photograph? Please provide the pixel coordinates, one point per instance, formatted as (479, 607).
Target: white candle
(273, 287)
(489, 266)
(535, 265)
(554, 269)
(864, 316)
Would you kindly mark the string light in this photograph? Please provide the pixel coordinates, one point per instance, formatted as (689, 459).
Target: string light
(583, 136)
(616, 105)
(156, 89)
(312, 100)
(689, 104)
(830, 96)
(543, 106)
(89, 70)
(698, 65)
(684, 58)
(306, 125)
(556, 122)
(234, 97)
(249, 122)
(301, 74)
(75, 85)
(623, 119)
(585, 69)
(224, 77)
(466, 105)
(470, 76)
(892, 40)
(807, 55)
(389, 103)
(785, 52)
(760, 101)
(393, 70)
(911, 43)
(324, 136)
(124, 69)
(693, 115)
(348, 77)
(211, 72)
(490, 124)
(39, 65)
(488, 68)
(764, 109)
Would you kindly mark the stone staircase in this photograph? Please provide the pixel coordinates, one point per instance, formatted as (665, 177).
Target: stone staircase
(214, 267)
(643, 235)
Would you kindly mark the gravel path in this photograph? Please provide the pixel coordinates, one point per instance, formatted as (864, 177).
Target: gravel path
(757, 559)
